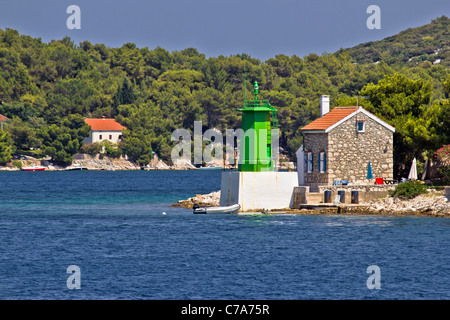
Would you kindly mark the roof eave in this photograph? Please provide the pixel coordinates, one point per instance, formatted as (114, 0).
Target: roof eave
(367, 113)
(313, 131)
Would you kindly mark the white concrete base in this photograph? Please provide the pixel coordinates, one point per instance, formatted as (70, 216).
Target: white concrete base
(258, 190)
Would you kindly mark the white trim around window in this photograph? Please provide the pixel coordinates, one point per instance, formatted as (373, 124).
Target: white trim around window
(308, 162)
(322, 162)
(361, 125)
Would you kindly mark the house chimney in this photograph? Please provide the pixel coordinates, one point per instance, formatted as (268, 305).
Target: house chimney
(324, 105)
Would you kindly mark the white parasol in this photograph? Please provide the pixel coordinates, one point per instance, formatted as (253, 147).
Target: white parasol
(413, 172)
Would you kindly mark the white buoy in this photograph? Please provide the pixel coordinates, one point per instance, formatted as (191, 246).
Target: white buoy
(163, 213)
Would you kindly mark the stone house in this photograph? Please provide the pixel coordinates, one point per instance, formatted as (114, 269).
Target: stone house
(104, 129)
(339, 145)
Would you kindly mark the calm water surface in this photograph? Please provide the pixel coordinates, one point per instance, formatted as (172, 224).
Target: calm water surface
(111, 225)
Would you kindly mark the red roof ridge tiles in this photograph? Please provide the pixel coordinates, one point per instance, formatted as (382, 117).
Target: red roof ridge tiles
(330, 118)
(104, 124)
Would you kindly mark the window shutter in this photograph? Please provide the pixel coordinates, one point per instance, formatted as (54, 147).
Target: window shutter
(324, 162)
(319, 159)
(306, 155)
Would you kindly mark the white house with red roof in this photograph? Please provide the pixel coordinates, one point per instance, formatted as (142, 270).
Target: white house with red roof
(104, 129)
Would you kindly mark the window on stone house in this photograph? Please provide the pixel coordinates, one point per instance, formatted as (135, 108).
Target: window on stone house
(361, 125)
(322, 162)
(110, 137)
(100, 137)
(308, 162)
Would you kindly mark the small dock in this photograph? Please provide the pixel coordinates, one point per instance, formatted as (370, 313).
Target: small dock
(325, 208)
(317, 206)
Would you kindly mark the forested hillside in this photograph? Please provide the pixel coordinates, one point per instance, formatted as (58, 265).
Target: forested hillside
(47, 89)
(410, 47)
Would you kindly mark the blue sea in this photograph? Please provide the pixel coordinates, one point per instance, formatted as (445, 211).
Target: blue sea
(112, 227)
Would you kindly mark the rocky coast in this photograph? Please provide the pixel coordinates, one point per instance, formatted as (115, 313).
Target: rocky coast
(206, 200)
(434, 203)
(96, 162)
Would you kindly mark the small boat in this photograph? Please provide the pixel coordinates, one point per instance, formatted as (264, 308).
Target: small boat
(204, 210)
(76, 167)
(211, 166)
(33, 168)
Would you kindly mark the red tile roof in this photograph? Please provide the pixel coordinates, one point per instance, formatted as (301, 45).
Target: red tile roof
(3, 118)
(104, 124)
(329, 119)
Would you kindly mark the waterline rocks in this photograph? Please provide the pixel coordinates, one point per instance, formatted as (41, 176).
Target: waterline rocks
(207, 200)
(106, 164)
(434, 203)
(157, 164)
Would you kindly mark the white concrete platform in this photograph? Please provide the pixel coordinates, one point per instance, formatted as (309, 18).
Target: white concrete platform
(258, 190)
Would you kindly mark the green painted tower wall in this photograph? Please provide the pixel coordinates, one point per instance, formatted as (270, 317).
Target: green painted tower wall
(255, 146)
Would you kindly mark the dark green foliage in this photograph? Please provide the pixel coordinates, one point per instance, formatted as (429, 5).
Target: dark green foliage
(23, 135)
(47, 89)
(408, 190)
(105, 147)
(111, 149)
(63, 141)
(138, 148)
(5, 148)
(445, 174)
(92, 148)
(410, 46)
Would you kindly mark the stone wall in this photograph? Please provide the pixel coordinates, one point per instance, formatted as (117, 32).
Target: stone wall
(365, 192)
(349, 151)
(302, 195)
(316, 143)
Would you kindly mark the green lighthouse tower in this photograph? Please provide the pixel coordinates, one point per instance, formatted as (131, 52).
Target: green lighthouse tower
(258, 118)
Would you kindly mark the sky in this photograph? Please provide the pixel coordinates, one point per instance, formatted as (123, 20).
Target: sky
(260, 28)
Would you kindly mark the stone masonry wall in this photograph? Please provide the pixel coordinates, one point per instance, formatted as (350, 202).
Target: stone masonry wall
(349, 151)
(316, 143)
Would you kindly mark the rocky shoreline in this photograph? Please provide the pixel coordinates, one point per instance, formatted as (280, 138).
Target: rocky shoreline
(434, 203)
(207, 200)
(97, 162)
(103, 162)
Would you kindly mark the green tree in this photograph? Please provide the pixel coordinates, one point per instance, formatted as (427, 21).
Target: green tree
(23, 135)
(63, 141)
(111, 149)
(402, 102)
(124, 95)
(5, 148)
(137, 147)
(212, 103)
(446, 85)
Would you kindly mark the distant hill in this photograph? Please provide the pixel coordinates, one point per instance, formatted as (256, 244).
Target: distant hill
(411, 47)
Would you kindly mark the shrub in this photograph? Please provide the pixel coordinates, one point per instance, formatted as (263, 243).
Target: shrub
(92, 148)
(111, 149)
(408, 190)
(17, 164)
(443, 155)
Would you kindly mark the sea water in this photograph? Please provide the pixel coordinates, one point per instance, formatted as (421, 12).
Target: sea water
(118, 228)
